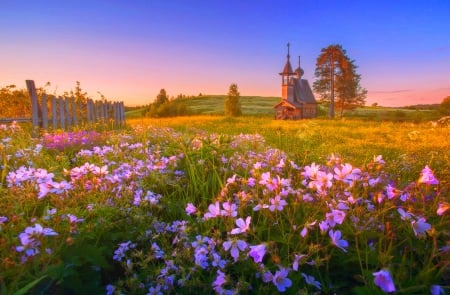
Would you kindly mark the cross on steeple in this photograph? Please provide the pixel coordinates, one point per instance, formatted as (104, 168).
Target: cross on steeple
(288, 45)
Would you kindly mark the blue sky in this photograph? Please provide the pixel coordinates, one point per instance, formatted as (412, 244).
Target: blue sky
(129, 50)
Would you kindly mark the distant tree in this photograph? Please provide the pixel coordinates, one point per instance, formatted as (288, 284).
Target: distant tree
(444, 108)
(14, 103)
(375, 104)
(232, 103)
(80, 95)
(336, 77)
(162, 97)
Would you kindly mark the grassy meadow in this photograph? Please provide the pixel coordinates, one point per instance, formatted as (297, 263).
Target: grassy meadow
(209, 204)
(407, 146)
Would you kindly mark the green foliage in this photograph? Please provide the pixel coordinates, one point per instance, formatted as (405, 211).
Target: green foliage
(336, 77)
(162, 107)
(232, 104)
(444, 108)
(168, 109)
(14, 103)
(162, 97)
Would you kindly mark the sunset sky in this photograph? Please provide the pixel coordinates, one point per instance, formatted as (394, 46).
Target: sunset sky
(129, 50)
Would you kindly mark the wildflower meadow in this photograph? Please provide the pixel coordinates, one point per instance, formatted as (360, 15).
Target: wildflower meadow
(154, 210)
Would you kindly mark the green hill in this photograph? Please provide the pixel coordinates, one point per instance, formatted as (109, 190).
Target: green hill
(263, 106)
(215, 105)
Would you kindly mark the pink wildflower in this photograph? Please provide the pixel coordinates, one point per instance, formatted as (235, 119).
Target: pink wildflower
(427, 176)
(243, 226)
(214, 211)
(229, 209)
(443, 207)
(277, 203)
(335, 217)
(190, 209)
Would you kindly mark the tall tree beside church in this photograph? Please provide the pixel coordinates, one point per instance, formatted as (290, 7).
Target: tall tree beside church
(350, 93)
(232, 103)
(337, 78)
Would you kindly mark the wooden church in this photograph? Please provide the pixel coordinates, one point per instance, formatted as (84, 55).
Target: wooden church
(297, 98)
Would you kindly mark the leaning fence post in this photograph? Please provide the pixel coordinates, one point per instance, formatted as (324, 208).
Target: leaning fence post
(35, 110)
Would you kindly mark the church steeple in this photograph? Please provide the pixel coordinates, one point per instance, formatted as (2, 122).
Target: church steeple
(287, 71)
(287, 79)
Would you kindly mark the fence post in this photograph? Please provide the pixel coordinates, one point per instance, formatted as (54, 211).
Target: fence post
(61, 113)
(74, 111)
(35, 109)
(67, 112)
(44, 112)
(54, 116)
(89, 110)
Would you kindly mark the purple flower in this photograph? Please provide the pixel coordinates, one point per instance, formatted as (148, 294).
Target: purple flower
(74, 219)
(335, 217)
(190, 209)
(229, 209)
(427, 176)
(420, 227)
(323, 225)
(110, 289)
(119, 254)
(384, 280)
(307, 227)
(280, 279)
(379, 160)
(336, 240)
(404, 215)
(267, 277)
(257, 252)
(234, 247)
(277, 204)
(219, 282)
(30, 240)
(297, 260)
(214, 211)
(437, 290)
(310, 280)
(243, 226)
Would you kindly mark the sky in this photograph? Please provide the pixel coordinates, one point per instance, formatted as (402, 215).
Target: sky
(129, 50)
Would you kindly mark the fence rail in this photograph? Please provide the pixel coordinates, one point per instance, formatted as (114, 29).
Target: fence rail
(67, 113)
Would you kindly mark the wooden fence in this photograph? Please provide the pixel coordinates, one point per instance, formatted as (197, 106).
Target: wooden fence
(66, 113)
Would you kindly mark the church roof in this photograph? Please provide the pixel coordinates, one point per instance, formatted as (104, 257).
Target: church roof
(303, 91)
(284, 102)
